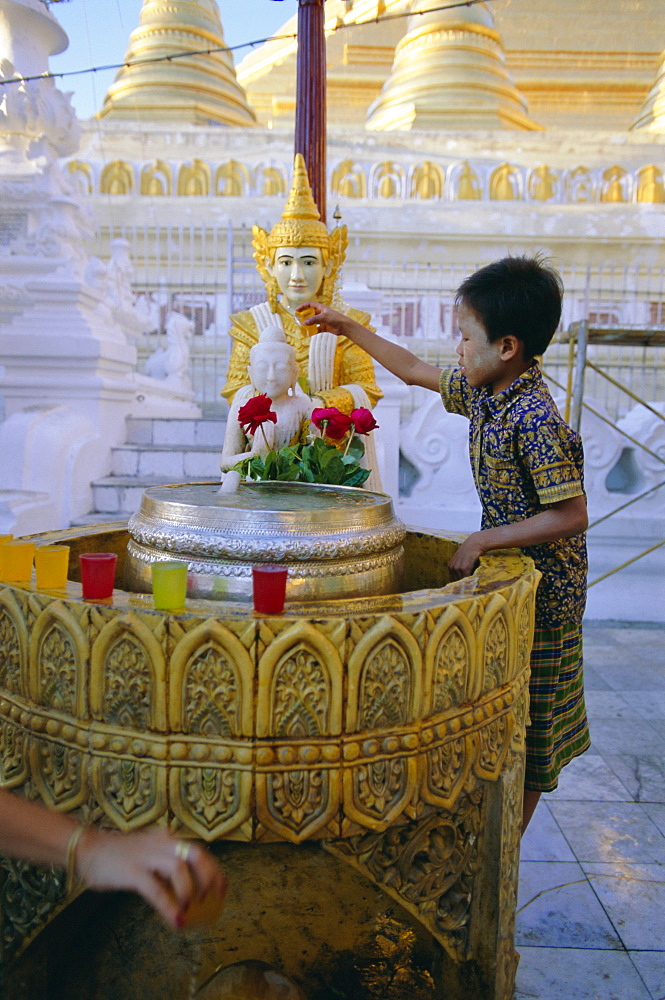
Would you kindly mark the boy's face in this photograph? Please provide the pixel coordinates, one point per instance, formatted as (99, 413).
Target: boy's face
(480, 360)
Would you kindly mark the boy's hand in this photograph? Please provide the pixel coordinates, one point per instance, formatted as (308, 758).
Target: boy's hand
(394, 357)
(561, 520)
(322, 317)
(465, 560)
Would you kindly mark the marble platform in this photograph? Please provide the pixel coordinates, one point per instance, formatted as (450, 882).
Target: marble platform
(592, 876)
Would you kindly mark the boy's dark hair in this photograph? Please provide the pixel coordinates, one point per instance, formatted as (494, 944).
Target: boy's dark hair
(518, 296)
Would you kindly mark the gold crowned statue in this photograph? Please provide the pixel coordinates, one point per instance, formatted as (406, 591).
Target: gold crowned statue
(299, 261)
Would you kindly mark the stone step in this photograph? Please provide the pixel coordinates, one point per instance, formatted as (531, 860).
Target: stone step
(120, 496)
(178, 462)
(159, 451)
(171, 431)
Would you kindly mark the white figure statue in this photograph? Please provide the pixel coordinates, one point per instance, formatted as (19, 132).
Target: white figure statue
(120, 274)
(273, 370)
(171, 363)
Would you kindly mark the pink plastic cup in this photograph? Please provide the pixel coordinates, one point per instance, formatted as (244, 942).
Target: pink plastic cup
(269, 587)
(97, 575)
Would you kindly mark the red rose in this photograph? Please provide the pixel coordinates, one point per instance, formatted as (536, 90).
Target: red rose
(363, 420)
(332, 422)
(255, 412)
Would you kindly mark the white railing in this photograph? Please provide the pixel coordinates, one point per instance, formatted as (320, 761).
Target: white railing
(209, 272)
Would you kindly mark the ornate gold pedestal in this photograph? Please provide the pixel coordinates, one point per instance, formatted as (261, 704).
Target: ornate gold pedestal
(351, 761)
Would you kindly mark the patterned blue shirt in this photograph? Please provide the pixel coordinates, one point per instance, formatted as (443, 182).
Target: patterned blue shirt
(524, 458)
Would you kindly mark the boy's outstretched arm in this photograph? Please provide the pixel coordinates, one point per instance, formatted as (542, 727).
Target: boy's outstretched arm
(396, 359)
(561, 520)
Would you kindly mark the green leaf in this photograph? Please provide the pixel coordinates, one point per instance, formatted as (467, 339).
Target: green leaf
(330, 458)
(357, 478)
(356, 448)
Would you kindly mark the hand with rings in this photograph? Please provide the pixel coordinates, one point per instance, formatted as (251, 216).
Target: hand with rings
(180, 878)
(182, 850)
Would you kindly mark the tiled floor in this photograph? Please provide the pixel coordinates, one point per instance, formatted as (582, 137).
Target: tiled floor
(591, 914)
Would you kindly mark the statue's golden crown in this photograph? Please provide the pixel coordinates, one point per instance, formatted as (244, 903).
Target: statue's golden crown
(300, 225)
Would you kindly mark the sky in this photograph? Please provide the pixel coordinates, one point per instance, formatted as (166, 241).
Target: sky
(98, 32)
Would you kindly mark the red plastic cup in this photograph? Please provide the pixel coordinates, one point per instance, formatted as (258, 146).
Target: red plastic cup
(97, 575)
(269, 587)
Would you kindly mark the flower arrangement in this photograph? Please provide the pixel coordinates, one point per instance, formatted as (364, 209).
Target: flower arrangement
(317, 461)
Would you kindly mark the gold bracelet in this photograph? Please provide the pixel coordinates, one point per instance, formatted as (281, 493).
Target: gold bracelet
(72, 844)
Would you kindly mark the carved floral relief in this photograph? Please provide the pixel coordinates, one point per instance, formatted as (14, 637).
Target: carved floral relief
(429, 865)
(14, 767)
(10, 653)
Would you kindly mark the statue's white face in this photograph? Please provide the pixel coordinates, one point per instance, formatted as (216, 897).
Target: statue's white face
(299, 272)
(272, 369)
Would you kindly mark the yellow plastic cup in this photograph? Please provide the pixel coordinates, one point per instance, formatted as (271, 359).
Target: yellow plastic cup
(17, 561)
(3, 541)
(51, 565)
(169, 585)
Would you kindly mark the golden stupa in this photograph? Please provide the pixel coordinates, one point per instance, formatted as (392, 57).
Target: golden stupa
(196, 89)
(449, 72)
(652, 113)
(577, 63)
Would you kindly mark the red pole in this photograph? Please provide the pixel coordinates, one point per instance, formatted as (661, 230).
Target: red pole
(310, 130)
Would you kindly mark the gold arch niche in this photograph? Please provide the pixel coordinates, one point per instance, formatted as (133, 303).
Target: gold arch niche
(83, 174)
(14, 681)
(615, 185)
(579, 185)
(58, 649)
(427, 180)
(232, 179)
(348, 180)
(542, 183)
(128, 704)
(194, 179)
(157, 179)
(464, 183)
(210, 699)
(385, 683)
(505, 183)
(650, 185)
(117, 178)
(270, 181)
(387, 180)
(300, 698)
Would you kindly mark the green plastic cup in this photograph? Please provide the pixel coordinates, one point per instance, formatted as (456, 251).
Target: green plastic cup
(169, 585)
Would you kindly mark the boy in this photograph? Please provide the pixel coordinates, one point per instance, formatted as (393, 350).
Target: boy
(528, 469)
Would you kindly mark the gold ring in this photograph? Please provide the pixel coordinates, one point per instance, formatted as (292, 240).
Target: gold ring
(183, 850)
